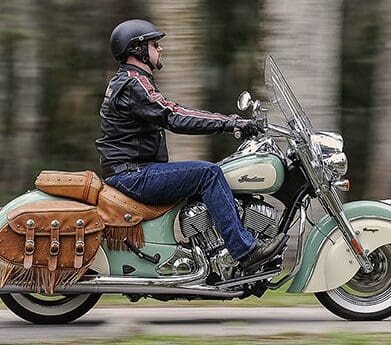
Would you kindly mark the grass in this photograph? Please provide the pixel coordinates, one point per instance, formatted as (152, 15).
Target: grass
(282, 339)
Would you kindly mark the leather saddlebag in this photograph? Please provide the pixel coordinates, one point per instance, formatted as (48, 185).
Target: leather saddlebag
(48, 244)
(84, 185)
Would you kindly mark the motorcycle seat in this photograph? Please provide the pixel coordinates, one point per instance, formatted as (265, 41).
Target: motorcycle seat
(121, 214)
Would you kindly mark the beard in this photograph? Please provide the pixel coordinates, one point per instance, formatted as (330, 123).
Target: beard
(159, 63)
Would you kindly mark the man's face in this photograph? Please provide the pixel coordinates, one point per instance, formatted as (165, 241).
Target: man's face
(155, 54)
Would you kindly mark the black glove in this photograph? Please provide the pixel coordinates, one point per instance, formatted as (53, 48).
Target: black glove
(235, 117)
(248, 128)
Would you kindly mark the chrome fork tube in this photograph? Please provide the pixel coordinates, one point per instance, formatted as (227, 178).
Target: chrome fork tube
(332, 202)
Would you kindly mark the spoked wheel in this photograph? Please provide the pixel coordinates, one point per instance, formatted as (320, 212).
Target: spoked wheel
(367, 296)
(49, 309)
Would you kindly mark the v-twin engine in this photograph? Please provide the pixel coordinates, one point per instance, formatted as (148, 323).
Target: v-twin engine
(196, 224)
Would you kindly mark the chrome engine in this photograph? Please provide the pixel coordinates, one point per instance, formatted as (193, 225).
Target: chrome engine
(260, 218)
(197, 225)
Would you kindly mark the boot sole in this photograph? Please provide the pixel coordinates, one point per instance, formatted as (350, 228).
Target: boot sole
(278, 250)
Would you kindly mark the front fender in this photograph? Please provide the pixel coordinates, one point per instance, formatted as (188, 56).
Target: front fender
(327, 261)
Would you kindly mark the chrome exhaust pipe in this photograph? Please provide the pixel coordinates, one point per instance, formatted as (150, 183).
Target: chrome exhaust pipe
(115, 285)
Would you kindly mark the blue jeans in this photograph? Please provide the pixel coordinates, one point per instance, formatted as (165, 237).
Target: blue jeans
(163, 183)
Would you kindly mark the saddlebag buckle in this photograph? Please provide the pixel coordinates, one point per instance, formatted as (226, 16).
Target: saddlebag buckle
(79, 243)
(29, 245)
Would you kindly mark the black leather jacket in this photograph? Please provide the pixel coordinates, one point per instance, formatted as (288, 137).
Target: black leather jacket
(134, 115)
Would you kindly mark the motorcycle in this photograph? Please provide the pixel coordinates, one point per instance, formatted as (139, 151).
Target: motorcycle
(59, 255)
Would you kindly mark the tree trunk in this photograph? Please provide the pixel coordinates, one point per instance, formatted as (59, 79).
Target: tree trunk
(181, 77)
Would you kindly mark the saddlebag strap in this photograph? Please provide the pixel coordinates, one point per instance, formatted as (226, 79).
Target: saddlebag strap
(79, 244)
(54, 249)
(29, 246)
(87, 186)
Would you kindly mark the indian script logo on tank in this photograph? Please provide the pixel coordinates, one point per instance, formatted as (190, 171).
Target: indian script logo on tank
(246, 178)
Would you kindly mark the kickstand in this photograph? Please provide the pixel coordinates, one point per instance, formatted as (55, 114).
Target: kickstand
(154, 259)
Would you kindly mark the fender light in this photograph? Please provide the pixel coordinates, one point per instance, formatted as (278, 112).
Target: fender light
(343, 185)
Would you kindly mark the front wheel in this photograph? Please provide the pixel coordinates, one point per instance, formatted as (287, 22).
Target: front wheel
(49, 309)
(367, 296)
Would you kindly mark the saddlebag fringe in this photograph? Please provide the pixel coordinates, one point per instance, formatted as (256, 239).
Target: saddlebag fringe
(38, 279)
(115, 236)
(123, 217)
(46, 244)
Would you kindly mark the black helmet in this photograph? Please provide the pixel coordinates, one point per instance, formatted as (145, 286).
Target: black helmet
(131, 38)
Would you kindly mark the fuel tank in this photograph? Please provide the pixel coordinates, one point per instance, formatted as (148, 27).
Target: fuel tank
(258, 172)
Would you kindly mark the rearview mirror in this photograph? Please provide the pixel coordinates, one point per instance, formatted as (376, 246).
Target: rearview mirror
(244, 101)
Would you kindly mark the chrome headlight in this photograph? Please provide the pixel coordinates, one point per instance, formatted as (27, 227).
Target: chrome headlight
(328, 142)
(328, 146)
(337, 164)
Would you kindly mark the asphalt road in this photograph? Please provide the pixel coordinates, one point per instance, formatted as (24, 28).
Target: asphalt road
(115, 323)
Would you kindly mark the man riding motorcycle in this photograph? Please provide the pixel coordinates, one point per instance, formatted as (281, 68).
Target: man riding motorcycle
(133, 151)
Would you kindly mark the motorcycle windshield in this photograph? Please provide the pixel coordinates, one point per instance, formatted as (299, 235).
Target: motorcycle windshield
(281, 95)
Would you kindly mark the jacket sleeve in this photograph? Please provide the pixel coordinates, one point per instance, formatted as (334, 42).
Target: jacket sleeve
(150, 105)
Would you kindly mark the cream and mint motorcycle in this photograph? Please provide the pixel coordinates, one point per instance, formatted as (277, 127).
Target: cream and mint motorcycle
(344, 259)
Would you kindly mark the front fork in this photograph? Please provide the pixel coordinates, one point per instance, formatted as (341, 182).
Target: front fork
(332, 203)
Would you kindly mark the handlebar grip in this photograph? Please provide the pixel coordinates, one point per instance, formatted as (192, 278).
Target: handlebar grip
(237, 133)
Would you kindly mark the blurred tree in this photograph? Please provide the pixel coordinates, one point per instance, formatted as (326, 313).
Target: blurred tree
(379, 182)
(359, 55)
(20, 118)
(181, 79)
(55, 65)
(232, 35)
(75, 55)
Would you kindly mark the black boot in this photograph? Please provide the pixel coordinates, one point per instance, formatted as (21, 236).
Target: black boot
(262, 251)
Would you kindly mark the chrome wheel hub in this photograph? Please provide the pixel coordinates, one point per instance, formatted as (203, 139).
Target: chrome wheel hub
(379, 279)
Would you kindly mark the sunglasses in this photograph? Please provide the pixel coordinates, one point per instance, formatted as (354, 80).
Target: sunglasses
(155, 44)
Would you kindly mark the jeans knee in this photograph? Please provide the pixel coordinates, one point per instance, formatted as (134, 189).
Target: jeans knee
(215, 169)
(209, 167)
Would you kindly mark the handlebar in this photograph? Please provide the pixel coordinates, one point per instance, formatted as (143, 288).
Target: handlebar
(259, 115)
(238, 134)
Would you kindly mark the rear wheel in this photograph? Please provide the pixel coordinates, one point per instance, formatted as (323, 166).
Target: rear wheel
(49, 309)
(367, 296)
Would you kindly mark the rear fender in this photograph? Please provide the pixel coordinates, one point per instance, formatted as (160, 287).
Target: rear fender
(327, 261)
(100, 263)
(27, 198)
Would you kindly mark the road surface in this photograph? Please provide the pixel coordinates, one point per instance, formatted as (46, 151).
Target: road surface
(104, 323)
